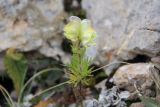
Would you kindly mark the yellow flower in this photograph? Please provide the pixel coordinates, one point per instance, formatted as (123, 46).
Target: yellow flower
(78, 29)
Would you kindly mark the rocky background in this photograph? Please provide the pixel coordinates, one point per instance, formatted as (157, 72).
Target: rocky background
(128, 30)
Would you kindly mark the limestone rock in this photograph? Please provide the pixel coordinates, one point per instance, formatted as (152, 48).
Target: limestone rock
(137, 105)
(129, 76)
(30, 24)
(2, 68)
(107, 98)
(111, 97)
(158, 99)
(91, 103)
(125, 27)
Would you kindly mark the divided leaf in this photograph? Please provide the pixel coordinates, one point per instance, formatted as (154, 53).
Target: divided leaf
(16, 66)
(79, 67)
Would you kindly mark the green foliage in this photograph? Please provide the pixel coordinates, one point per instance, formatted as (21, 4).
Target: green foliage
(80, 73)
(148, 102)
(16, 65)
(82, 35)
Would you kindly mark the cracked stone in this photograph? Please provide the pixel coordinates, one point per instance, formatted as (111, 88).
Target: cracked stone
(29, 24)
(125, 28)
(129, 76)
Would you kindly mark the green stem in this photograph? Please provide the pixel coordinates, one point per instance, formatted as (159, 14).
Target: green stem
(81, 96)
(80, 56)
(30, 80)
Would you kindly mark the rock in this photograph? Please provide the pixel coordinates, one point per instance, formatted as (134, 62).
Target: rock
(101, 85)
(107, 98)
(137, 105)
(2, 68)
(92, 103)
(125, 28)
(124, 95)
(111, 97)
(31, 25)
(158, 99)
(127, 76)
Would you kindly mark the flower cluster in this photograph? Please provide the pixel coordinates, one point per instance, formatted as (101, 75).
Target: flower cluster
(80, 30)
(82, 36)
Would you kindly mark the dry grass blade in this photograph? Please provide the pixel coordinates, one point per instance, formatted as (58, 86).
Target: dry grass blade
(7, 96)
(154, 73)
(107, 65)
(31, 79)
(49, 89)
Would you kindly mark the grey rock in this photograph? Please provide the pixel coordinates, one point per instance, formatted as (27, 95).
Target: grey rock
(130, 77)
(92, 103)
(158, 98)
(124, 95)
(107, 98)
(110, 97)
(125, 28)
(2, 68)
(137, 105)
(30, 25)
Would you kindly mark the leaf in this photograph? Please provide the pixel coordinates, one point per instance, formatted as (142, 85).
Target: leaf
(16, 65)
(52, 77)
(149, 102)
